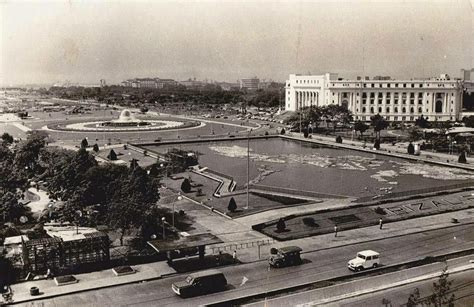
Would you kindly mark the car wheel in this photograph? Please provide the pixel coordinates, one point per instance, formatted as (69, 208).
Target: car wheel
(375, 265)
(277, 264)
(360, 268)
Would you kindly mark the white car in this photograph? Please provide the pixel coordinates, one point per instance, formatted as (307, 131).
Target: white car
(364, 260)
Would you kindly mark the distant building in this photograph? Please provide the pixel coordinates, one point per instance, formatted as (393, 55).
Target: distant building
(250, 84)
(192, 83)
(149, 83)
(467, 74)
(438, 99)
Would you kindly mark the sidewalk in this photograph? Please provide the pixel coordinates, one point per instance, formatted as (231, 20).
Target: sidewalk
(365, 234)
(398, 150)
(90, 281)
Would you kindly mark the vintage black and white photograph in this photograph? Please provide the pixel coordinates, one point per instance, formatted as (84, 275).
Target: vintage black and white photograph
(258, 153)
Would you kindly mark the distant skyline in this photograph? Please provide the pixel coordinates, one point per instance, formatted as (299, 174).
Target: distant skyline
(85, 41)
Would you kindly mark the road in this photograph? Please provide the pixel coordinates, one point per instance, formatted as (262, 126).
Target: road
(462, 287)
(318, 265)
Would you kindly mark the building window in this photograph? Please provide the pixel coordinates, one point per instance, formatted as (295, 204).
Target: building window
(388, 84)
(388, 110)
(363, 109)
(412, 85)
(395, 110)
(421, 85)
(439, 106)
(412, 110)
(373, 85)
(404, 85)
(380, 109)
(396, 84)
(420, 110)
(372, 110)
(372, 95)
(404, 110)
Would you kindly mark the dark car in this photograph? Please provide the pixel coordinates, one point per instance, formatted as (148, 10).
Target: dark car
(200, 283)
(285, 256)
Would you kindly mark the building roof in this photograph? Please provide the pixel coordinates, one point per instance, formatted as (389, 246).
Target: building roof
(15, 240)
(290, 249)
(185, 242)
(69, 232)
(205, 273)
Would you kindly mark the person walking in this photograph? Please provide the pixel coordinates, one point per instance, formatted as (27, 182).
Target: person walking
(234, 256)
(335, 230)
(380, 223)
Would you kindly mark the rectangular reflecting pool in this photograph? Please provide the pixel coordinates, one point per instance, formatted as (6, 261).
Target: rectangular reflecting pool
(311, 167)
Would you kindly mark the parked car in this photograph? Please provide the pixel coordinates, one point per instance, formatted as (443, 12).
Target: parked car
(200, 283)
(364, 260)
(285, 256)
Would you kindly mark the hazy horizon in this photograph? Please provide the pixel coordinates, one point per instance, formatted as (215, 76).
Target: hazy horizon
(86, 41)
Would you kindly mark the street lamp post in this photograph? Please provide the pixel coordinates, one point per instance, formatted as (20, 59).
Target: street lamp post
(163, 223)
(179, 199)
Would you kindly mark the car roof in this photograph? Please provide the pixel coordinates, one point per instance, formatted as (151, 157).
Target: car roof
(205, 273)
(289, 249)
(368, 253)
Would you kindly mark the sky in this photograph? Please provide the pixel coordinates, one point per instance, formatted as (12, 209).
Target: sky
(85, 41)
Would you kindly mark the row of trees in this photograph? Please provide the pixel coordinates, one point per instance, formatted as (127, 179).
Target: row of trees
(312, 117)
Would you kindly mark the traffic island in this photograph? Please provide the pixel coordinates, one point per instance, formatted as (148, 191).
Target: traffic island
(123, 270)
(65, 280)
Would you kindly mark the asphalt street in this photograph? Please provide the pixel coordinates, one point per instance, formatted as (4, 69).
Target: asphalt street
(317, 265)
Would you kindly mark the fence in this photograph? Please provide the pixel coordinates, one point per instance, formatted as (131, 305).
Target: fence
(242, 245)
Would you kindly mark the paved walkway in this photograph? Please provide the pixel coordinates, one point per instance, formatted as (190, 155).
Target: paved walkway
(398, 150)
(37, 206)
(90, 281)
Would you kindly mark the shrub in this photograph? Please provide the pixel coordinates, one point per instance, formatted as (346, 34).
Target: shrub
(186, 186)
(266, 132)
(339, 139)
(112, 156)
(95, 148)
(273, 251)
(232, 205)
(309, 221)
(282, 132)
(281, 226)
(377, 144)
(84, 143)
(411, 149)
(462, 157)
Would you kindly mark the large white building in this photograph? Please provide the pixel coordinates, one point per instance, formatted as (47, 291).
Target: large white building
(438, 99)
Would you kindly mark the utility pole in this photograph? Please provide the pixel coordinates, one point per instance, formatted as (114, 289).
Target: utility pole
(248, 169)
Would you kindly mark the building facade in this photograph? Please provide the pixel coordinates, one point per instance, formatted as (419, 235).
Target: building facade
(250, 84)
(438, 99)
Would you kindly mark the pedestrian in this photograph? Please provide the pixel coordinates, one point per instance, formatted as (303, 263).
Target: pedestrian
(335, 230)
(234, 256)
(380, 223)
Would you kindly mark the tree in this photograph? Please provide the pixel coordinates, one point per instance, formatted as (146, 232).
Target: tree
(7, 272)
(7, 138)
(468, 121)
(281, 226)
(186, 186)
(378, 123)
(112, 156)
(95, 148)
(462, 157)
(414, 134)
(134, 197)
(84, 143)
(29, 151)
(441, 291)
(422, 122)
(232, 205)
(10, 209)
(282, 132)
(339, 139)
(361, 127)
(414, 298)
